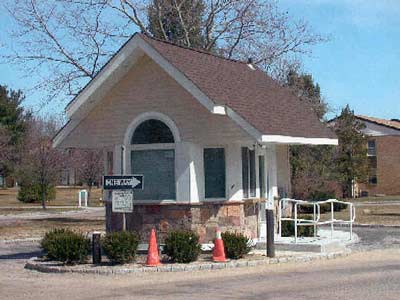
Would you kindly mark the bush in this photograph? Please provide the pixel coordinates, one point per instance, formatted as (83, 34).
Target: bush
(306, 231)
(236, 244)
(29, 193)
(121, 246)
(182, 246)
(66, 246)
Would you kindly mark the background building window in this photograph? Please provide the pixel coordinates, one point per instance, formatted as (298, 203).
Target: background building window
(371, 148)
(214, 172)
(373, 164)
(248, 172)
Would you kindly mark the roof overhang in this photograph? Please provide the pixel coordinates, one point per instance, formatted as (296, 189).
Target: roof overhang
(281, 139)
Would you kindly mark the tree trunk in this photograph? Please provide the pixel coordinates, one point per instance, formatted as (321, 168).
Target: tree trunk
(89, 193)
(43, 197)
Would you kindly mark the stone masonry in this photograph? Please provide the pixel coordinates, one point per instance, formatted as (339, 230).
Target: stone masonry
(202, 218)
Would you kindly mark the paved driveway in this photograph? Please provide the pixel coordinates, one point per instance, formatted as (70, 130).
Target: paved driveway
(363, 275)
(376, 238)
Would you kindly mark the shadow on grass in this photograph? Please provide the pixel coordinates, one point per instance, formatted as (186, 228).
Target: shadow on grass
(67, 220)
(386, 214)
(21, 255)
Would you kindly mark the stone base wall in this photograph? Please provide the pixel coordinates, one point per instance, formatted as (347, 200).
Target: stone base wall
(202, 218)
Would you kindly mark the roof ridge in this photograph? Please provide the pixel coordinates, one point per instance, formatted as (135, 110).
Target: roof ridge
(193, 49)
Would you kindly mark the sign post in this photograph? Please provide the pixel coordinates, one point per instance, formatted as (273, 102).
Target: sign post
(122, 187)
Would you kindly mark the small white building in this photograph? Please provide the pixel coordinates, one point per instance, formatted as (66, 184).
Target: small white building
(209, 135)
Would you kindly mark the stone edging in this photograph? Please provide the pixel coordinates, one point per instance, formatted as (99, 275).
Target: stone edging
(33, 264)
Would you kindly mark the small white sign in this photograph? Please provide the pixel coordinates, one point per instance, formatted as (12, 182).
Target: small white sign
(122, 201)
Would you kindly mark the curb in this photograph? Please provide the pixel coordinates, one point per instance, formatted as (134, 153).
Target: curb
(32, 264)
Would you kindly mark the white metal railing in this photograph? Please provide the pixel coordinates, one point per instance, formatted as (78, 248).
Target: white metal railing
(315, 221)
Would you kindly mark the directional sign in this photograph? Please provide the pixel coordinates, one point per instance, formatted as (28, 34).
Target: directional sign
(123, 182)
(122, 201)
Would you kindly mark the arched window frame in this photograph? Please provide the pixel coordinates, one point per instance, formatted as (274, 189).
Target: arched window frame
(128, 147)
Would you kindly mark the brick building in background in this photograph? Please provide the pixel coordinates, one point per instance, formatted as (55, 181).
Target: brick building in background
(384, 156)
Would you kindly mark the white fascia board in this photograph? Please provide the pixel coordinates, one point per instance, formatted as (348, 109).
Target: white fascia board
(281, 139)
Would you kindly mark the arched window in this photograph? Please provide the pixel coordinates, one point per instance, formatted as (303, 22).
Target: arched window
(153, 156)
(152, 132)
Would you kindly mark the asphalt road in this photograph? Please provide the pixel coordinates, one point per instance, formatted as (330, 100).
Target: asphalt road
(373, 274)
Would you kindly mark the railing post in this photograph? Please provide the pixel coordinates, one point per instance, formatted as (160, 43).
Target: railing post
(280, 217)
(314, 221)
(295, 223)
(351, 221)
(331, 219)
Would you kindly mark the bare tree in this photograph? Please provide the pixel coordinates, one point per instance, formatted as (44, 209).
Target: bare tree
(67, 41)
(40, 163)
(89, 166)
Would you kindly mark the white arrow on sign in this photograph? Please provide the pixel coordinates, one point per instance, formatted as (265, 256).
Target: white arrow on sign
(135, 182)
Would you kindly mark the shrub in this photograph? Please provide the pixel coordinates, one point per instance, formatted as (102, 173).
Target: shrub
(182, 246)
(121, 246)
(29, 193)
(236, 244)
(288, 228)
(66, 246)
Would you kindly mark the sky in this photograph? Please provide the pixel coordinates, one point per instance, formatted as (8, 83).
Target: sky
(359, 65)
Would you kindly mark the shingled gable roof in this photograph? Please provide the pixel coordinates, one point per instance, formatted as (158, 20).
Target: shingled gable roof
(388, 123)
(268, 111)
(269, 107)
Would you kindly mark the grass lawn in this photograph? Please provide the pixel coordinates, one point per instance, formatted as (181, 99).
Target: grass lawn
(375, 199)
(370, 214)
(33, 228)
(24, 210)
(65, 196)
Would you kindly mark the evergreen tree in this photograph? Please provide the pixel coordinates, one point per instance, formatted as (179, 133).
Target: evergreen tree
(304, 87)
(13, 125)
(178, 21)
(352, 161)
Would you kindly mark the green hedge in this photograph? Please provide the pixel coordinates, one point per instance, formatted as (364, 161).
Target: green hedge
(66, 246)
(236, 244)
(33, 193)
(121, 246)
(182, 246)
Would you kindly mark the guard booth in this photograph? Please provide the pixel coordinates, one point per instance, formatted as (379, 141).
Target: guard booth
(208, 135)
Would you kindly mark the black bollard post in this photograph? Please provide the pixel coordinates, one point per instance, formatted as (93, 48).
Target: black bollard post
(96, 248)
(270, 232)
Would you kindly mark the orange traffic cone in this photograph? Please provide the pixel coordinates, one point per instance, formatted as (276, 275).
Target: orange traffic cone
(219, 250)
(153, 259)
